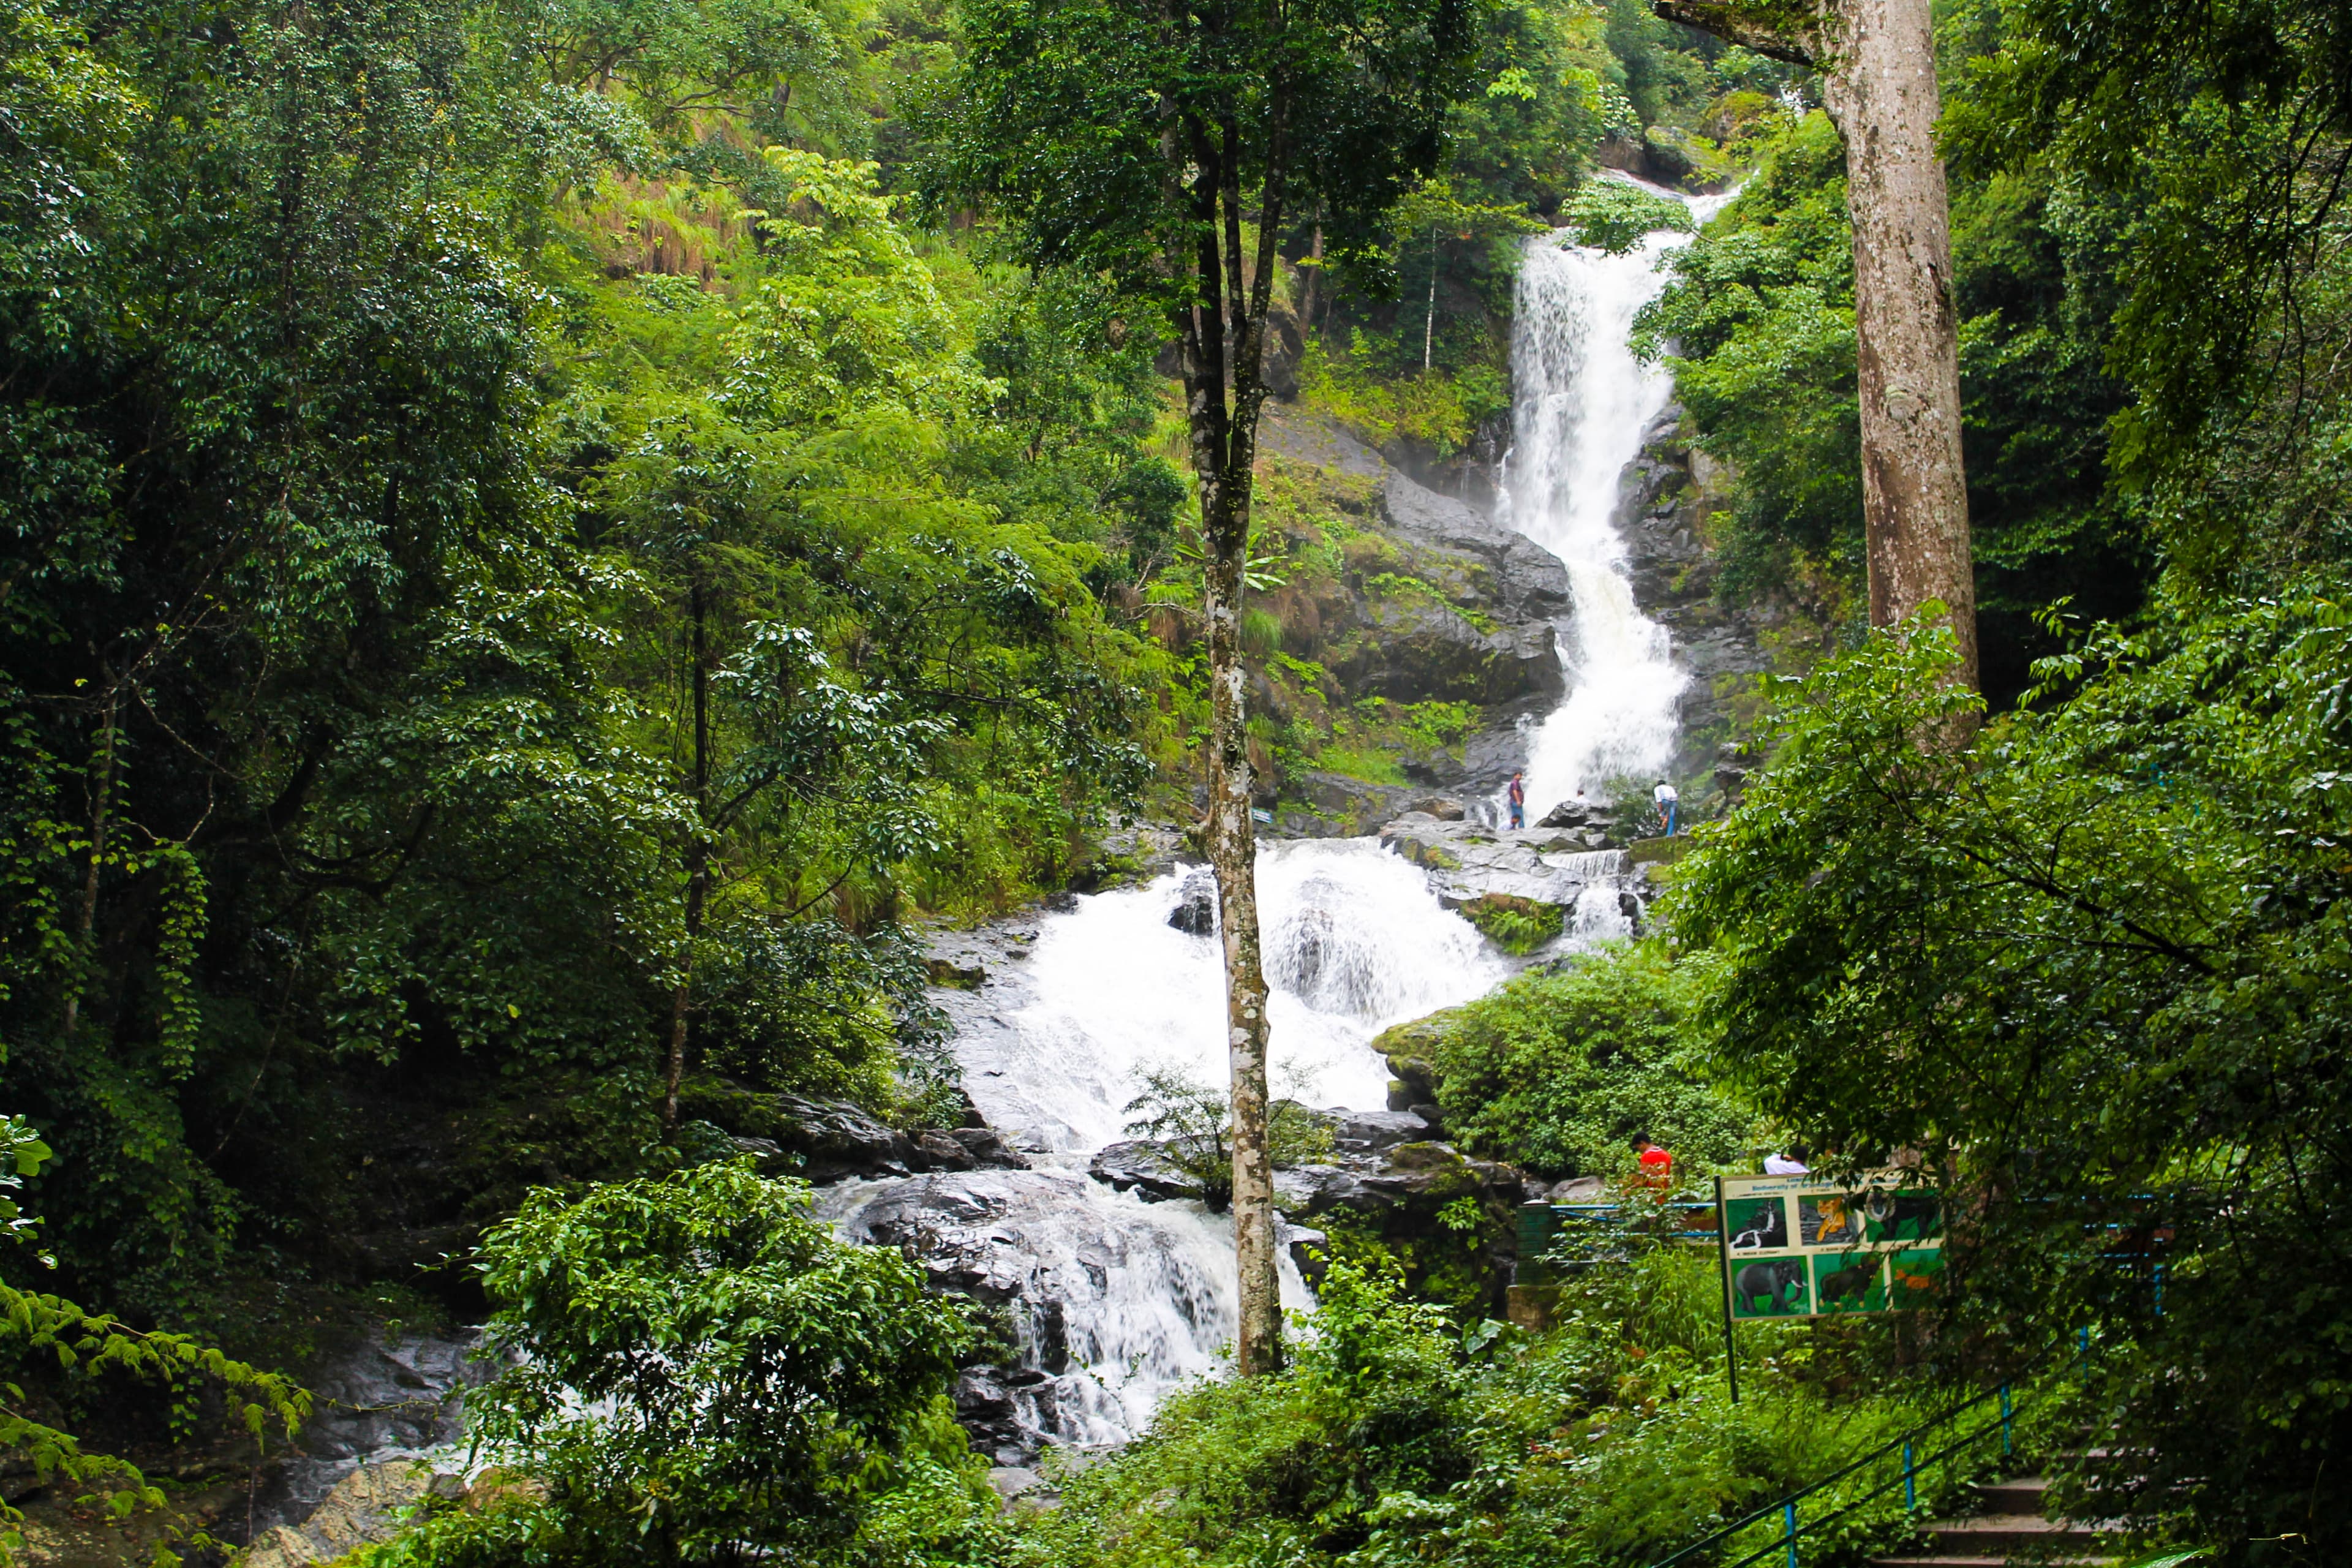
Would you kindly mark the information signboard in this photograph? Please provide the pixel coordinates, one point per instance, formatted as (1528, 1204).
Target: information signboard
(1798, 1246)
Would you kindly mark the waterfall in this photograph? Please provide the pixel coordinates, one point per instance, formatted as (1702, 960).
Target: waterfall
(1354, 940)
(1581, 402)
(1120, 1300)
(1117, 1301)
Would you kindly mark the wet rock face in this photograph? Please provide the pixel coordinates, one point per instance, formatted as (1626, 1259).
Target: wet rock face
(1469, 619)
(1083, 1290)
(1468, 860)
(377, 1406)
(1664, 501)
(367, 1505)
(1486, 635)
(1196, 908)
(1512, 575)
(829, 1139)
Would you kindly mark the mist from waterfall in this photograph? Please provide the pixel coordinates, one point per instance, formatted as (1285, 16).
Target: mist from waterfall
(1581, 401)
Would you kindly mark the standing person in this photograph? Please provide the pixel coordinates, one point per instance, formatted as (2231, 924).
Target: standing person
(1518, 799)
(1657, 1166)
(1667, 798)
(1791, 1163)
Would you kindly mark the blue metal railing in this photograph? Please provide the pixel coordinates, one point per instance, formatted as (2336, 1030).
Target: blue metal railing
(1911, 1466)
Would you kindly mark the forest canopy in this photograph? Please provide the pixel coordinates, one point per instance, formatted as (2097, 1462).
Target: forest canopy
(544, 547)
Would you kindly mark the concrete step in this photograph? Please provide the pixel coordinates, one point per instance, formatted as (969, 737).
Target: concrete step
(2022, 1494)
(1999, 1533)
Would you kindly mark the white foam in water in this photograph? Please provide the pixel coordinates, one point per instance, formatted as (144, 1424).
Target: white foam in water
(1598, 916)
(1140, 1297)
(1354, 940)
(1583, 400)
(1144, 1294)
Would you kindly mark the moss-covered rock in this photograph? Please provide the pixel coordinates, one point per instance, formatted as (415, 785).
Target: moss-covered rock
(1517, 926)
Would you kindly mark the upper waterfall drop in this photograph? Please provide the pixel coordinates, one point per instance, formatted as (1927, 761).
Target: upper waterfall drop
(1583, 400)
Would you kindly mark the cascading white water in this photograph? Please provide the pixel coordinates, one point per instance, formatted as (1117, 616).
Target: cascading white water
(1582, 403)
(1354, 940)
(1143, 1296)
(1119, 1299)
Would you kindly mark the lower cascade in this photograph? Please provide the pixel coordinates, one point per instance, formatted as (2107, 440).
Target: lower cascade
(1109, 1300)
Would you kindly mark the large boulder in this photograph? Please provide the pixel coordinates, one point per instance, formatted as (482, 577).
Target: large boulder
(1147, 1167)
(828, 1140)
(1415, 649)
(1468, 861)
(1196, 904)
(369, 1505)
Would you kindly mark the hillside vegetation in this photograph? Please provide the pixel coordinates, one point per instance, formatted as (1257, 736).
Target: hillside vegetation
(542, 546)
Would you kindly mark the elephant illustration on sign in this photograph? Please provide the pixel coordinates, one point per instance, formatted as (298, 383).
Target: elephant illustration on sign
(1780, 1282)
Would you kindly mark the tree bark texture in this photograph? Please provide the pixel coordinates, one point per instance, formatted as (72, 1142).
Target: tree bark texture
(1877, 61)
(1914, 494)
(1224, 440)
(698, 864)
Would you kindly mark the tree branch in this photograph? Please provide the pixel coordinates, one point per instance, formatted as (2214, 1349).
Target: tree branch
(1735, 23)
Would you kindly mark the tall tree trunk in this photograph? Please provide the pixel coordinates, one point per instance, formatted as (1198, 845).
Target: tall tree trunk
(1223, 439)
(86, 905)
(1429, 321)
(1232, 848)
(1877, 59)
(1914, 493)
(698, 863)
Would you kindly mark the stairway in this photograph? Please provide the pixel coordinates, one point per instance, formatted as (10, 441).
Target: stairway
(2012, 1527)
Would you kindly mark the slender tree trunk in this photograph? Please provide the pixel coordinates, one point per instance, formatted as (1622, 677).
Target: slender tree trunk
(101, 803)
(698, 863)
(1429, 321)
(1877, 61)
(1224, 440)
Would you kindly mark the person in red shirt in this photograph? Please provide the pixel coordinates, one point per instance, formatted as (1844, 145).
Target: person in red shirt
(1657, 1166)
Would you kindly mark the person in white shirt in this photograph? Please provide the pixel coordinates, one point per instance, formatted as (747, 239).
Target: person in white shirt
(1791, 1163)
(1666, 799)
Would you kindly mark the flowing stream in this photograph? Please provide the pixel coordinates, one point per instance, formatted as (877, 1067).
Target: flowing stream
(1114, 1301)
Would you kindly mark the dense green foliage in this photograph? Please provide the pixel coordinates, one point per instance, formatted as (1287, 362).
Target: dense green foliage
(1558, 1071)
(2100, 958)
(41, 1327)
(477, 592)
(1760, 317)
(2094, 956)
(1397, 1437)
(695, 1367)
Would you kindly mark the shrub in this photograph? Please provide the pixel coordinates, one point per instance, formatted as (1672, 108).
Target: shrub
(696, 1370)
(1614, 216)
(1559, 1068)
(1515, 925)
